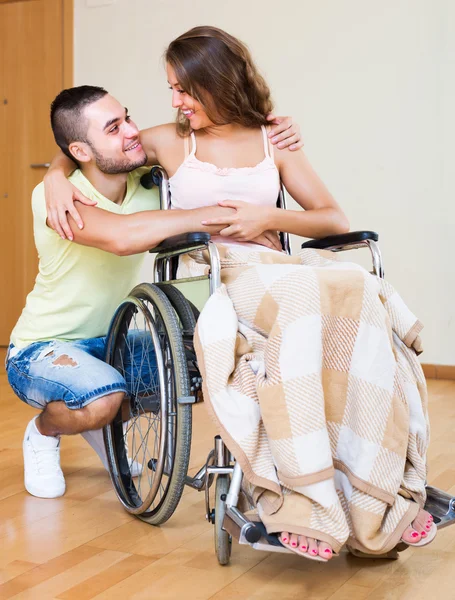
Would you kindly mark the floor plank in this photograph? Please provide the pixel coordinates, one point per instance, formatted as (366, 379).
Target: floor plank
(84, 546)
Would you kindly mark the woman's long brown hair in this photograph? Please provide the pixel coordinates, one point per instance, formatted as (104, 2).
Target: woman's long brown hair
(217, 70)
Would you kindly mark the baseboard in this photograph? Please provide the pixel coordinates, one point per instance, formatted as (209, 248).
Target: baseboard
(439, 371)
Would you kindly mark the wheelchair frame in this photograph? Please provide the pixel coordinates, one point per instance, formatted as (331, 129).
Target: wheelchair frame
(229, 520)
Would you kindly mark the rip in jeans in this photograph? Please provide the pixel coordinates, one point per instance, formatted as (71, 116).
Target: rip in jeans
(63, 360)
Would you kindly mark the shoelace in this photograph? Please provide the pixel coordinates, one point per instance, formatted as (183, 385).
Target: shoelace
(47, 459)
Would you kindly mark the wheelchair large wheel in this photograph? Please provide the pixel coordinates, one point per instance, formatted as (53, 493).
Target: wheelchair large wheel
(148, 443)
(223, 541)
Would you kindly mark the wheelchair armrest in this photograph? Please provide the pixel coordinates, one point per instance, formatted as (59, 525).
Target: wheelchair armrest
(185, 240)
(344, 239)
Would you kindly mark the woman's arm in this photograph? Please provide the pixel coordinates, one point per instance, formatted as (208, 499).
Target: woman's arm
(61, 195)
(322, 215)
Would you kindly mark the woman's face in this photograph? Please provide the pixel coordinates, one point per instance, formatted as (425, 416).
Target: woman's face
(188, 106)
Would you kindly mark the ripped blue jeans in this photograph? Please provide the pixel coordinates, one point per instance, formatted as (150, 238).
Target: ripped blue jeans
(75, 371)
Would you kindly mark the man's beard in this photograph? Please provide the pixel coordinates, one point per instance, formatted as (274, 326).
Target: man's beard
(114, 167)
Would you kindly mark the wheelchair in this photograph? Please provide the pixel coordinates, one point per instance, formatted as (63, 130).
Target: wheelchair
(153, 426)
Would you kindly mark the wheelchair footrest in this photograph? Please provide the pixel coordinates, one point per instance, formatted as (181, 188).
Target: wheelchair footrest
(266, 547)
(266, 542)
(441, 506)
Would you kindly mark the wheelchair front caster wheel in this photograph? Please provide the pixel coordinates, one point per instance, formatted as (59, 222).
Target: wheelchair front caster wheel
(391, 555)
(223, 541)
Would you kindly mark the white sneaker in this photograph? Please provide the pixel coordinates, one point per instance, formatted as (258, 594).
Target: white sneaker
(43, 476)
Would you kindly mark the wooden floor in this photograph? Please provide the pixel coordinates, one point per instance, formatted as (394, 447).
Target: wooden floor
(84, 546)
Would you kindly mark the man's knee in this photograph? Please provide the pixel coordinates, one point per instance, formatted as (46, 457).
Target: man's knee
(95, 415)
(101, 412)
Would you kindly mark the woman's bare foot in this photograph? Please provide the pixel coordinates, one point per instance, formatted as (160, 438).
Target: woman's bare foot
(307, 545)
(419, 529)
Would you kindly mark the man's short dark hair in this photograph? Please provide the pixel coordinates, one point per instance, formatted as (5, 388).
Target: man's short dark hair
(67, 119)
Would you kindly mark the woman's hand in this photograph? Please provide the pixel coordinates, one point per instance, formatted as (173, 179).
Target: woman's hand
(269, 239)
(284, 133)
(60, 197)
(245, 224)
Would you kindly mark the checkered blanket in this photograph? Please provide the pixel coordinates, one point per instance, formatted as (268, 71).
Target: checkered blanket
(309, 369)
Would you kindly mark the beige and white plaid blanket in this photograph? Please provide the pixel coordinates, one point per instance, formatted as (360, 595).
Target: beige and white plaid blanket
(309, 369)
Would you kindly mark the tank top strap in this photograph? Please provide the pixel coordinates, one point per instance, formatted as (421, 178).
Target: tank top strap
(186, 145)
(268, 147)
(193, 144)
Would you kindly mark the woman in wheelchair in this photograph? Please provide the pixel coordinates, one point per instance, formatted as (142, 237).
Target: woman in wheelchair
(311, 372)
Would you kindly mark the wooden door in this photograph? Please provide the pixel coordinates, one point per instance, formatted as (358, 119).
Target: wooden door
(35, 64)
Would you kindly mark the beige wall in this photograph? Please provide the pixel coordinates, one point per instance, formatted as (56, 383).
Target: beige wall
(371, 84)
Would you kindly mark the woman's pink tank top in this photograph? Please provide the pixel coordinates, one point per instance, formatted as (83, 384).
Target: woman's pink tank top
(196, 184)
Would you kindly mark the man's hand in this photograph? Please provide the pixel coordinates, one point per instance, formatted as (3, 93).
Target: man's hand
(60, 198)
(284, 133)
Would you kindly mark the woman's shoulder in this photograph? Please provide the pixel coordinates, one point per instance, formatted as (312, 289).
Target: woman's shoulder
(166, 145)
(162, 134)
(161, 143)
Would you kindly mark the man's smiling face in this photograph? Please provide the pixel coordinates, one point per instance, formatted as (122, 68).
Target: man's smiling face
(113, 137)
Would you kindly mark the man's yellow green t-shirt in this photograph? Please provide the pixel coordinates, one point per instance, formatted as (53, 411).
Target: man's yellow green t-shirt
(79, 287)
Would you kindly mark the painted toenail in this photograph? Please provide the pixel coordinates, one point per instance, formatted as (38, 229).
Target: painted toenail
(303, 548)
(423, 534)
(328, 551)
(285, 540)
(415, 534)
(294, 544)
(314, 551)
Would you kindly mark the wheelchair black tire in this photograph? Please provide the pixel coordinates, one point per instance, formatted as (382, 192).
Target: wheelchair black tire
(223, 541)
(185, 310)
(140, 297)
